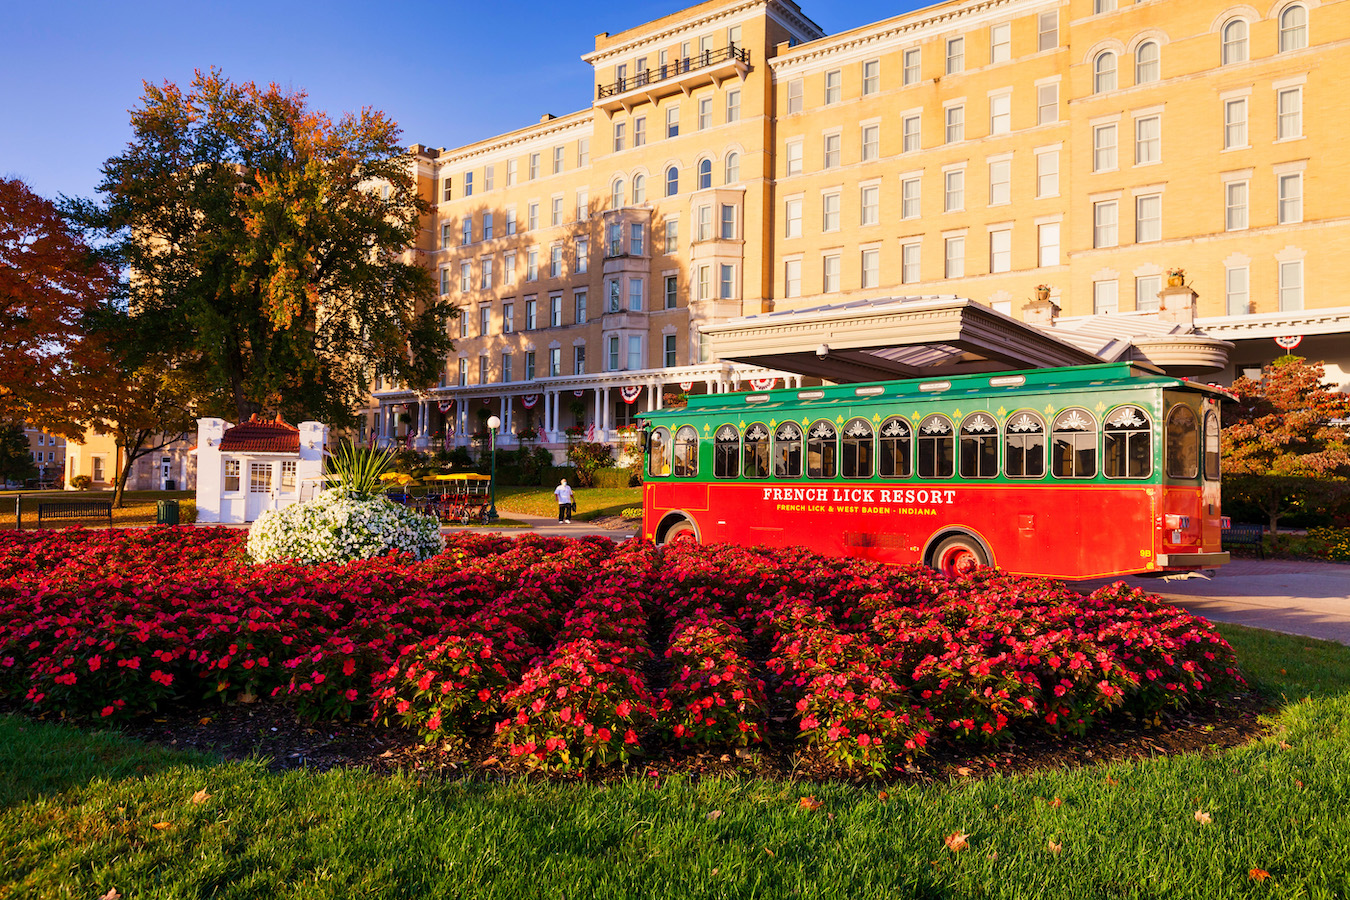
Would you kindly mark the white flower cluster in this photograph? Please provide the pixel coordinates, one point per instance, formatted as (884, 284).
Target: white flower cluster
(335, 527)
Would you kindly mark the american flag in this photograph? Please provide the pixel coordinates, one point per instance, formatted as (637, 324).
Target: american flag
(590, 432)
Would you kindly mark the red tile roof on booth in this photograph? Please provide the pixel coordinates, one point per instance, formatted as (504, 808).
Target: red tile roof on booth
(261, 436)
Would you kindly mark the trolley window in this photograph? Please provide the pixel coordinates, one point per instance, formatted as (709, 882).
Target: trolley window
(937, 448)
(1183, 443)
(1024, 446)
(659, 463)
(979, 447)
(896, 439)
(755, 451)
(1074, 436)
(727, 452)
(1128, 448)
(1211, 446)
(686, 452)
(822, 449)
(858, 455)
(787, 451)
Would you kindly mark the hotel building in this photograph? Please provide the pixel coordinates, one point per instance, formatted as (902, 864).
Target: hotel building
(996, 184)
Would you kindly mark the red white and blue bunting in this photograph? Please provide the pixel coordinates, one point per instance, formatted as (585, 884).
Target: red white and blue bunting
(686, 385)
(1289, 343)
(578, 393)
(529, 400)
(630, 393)
(763, 384)
(445, 405)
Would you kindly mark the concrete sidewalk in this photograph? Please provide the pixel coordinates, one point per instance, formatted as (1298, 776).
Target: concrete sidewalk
(549, 526)
(1291, 596)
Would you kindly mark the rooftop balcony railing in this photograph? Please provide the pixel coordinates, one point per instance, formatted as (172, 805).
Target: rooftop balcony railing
(704, 60)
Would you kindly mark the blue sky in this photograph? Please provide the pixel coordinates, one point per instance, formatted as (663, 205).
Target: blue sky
(448, 73)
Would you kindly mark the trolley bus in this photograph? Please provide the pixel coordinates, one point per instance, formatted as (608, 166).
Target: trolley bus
(1069, 473)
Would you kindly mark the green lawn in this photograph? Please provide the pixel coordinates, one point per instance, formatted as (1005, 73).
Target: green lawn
(139, 508)
(82, 813)
(591, 502)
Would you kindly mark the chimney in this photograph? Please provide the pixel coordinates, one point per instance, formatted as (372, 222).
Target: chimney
(1040, 312)
(546, 117)
(1176, 304)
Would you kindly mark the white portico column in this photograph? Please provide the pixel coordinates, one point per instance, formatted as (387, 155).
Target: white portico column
(605, 415)
(595, 418)
(659, 402)
(556, 406)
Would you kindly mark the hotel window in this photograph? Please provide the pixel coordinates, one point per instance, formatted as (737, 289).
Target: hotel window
(507, 368)
(792, 278)
(1103, 6)
(468, 184)
(673, 121)
(1000, 114)
(912, 139)
(487, 226)
(1237, 290)
(672, 292)
(635, 353)
(639, 189)
(1105, 298)
(1289, 114)
(671, 357)
(1147, 63)
(489, 177)
(1047, 31)
(613, 353)
(728, 231)
(871, 268)
(1235, 205)
(1293, 29)
(1291, 286)
(485, 276)
(1234, 124)
(794, 157)
(558, 159)
(871, 205)
(555, 259)
(529, 365)
(482, 370)
(1104, 216)
(871, 73)
(511, 173)
(1000, 182)
(672, 181)
(1000, 251)
(620, 136)
(554, 362)
(614, 239)
(579, 307)
(466, 231)
(447, 190)
(732, 170)
(637, 239)
(704, 174)
(956, 55)
(1147, 140)
(508, 318)
(912, 61)
(446, 232)
(954, 195)
(704, 223)
(795, 92)
(583, 252)
(1291, 198)
(792, 216)
(829, 271)
(532, 265)
(465, 276)
(509, 268)
(829, 205)
(832, 142)
(534, 166)
(1146, 288)
(954, 257)
(463, 379)
(909, 263)
(871, 142)
(617, 194)
(956, 124)
(733, 106)
(555, 211)
(1000, 43)
(1047, 240)
(726, 282)
(1147, 218)
(1234, 42)
(834, 81)
(1047, 174)
(463, 321)
(672, 235)
(1104, 72)
(532, 216)
(510, 221)
(445, 281)
(579, 359)
(704, 113)
(531, 313)
(1047, 103)
(909, 198)
(1104, 148)
(640, 131)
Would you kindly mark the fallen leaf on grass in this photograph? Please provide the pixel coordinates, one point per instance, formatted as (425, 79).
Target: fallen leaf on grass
(963, 771)
(1258, 874)
(810, 804)
(957, 841)
(111, 895)
(1056, 803)
(491, 761)
(1111, 781)
(715, 815)
(201, 796)
(770, 852)
(204, 720)
(883, 796)
(161, 825)
(1202, 817)
(1053, 847)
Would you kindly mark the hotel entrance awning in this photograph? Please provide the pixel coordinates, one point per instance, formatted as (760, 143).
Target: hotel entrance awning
(892, 337)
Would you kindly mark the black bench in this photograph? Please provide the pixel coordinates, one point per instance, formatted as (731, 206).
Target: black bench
(1245, 535)
(75, 509)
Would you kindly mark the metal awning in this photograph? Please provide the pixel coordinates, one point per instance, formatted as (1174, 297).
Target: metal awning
(891, 337)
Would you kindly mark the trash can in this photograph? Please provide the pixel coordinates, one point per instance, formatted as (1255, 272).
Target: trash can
(167, 513)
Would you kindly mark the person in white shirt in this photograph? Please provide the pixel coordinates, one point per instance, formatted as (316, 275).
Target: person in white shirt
(564, 494)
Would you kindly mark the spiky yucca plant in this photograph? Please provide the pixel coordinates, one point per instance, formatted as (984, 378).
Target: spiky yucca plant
(356, 470)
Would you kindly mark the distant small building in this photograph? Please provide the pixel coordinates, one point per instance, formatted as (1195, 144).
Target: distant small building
(246, 469)
(49, 456)
(172, 467)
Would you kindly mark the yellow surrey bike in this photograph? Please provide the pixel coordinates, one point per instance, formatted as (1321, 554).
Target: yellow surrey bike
(463, 498)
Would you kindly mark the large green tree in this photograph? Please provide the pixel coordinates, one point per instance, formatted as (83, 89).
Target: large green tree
(269, 249)
(16, 459)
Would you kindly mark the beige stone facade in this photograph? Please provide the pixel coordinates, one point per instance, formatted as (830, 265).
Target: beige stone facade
(735, 160)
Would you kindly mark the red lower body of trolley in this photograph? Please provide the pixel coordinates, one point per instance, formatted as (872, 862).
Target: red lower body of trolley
(1079, 531)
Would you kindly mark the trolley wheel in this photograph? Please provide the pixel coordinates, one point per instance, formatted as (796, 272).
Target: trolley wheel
(682, 530)
(959, 555)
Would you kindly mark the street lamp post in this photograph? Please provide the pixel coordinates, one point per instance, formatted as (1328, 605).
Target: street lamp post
(493, 423)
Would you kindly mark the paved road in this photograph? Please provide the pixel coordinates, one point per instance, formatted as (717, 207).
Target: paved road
(1295, 597)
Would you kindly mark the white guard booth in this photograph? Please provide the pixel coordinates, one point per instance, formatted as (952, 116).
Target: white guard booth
(254, 466)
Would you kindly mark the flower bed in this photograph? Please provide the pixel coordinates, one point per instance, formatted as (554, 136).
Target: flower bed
(580, 653)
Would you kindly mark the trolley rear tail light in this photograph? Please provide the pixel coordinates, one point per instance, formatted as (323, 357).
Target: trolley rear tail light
(1181, 522)
(1225, 522)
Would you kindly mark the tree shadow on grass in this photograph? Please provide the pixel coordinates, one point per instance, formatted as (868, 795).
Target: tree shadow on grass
(40, 758)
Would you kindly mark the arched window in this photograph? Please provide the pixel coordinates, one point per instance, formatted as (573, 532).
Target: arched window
(616, 194)
(686, 451)
(896, 440)
(727, 452)
(1183, 443)
(1293, 29)
(1147, 63)
(1128, 445)
(787, 451)
(937, 448)
(1234, 42)
(672, 181)
(639, 189)
(1211, 446)
(704, 174)
(756, 451)
(1074, 447)
(858, 455)
(658, 462)
(822, 450)
(1024, 446)
(1104, 72)
(733, 168)
(979, 447)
